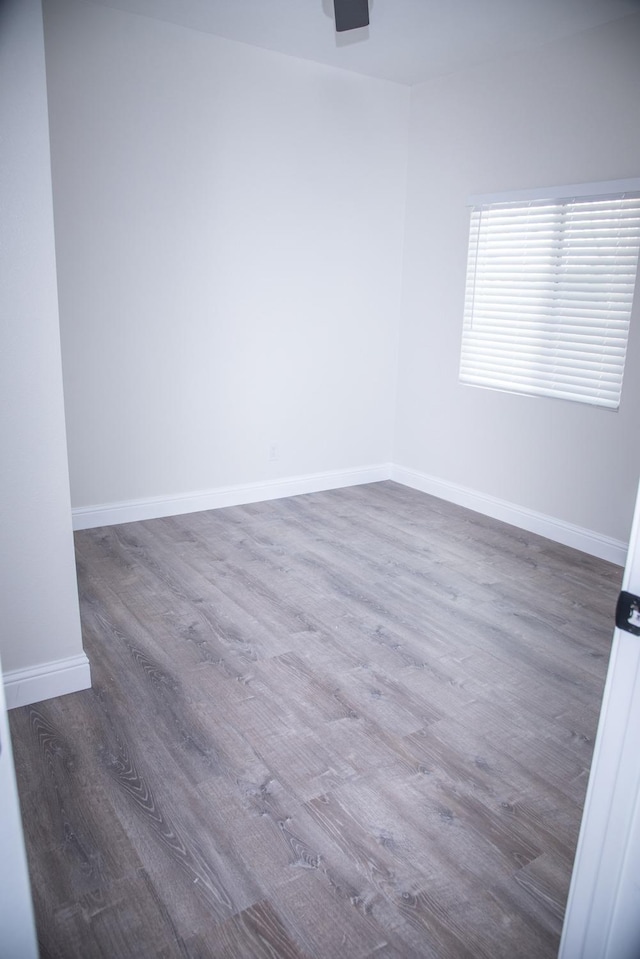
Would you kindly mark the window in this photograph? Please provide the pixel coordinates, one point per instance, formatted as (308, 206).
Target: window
(550, 281)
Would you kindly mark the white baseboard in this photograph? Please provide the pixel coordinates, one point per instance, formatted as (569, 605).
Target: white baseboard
(23, 687)
(108, 514)
(604, 547)
(88, 517)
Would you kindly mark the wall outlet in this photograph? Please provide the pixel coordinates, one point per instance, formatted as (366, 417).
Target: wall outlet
(273, 453)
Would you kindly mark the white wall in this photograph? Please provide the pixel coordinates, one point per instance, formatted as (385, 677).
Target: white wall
(566, 113)
(17, 927)
(229, 229)
(38, 595)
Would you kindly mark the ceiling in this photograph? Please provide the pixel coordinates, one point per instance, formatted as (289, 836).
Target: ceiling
(408, 41)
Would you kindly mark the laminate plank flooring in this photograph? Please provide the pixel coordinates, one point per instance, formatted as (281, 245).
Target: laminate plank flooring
(356, 723)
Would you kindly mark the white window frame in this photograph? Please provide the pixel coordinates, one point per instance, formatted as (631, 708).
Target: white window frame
(538, 319)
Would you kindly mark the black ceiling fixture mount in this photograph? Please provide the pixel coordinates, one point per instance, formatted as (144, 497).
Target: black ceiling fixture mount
(351, 14)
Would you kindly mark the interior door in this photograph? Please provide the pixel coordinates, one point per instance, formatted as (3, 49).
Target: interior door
(17, 929)
(603, 911)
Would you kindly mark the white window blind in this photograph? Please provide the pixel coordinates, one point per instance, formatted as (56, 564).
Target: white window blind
(550, 285)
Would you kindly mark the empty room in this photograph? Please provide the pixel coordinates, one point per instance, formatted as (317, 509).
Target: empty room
(320, 419)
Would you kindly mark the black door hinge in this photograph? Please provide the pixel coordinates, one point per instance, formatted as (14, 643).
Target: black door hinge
(628, 613)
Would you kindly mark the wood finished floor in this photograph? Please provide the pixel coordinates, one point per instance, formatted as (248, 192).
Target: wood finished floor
(354, 723)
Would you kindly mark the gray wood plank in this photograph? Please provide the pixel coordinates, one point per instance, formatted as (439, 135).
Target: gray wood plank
(354, 723)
